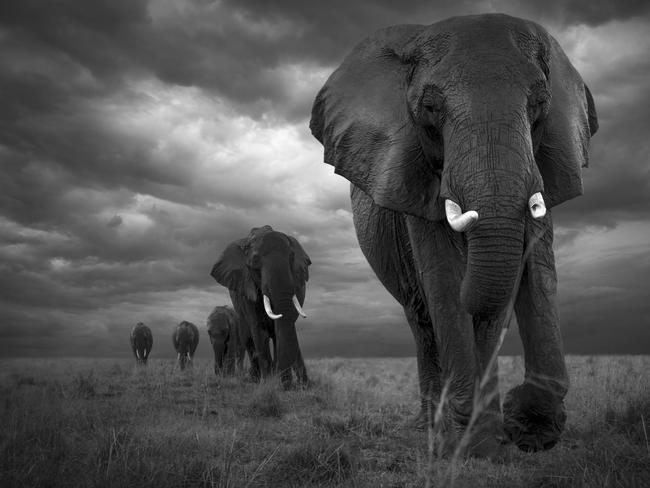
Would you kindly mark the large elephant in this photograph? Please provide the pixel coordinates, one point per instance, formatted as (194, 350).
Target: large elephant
(457, 138)
(141, 342)
(229, 337)
(185, 339)
(266, 274)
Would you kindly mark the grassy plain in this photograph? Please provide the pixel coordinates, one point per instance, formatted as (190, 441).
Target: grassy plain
(85, 422)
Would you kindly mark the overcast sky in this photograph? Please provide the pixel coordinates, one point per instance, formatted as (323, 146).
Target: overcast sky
(137, 139)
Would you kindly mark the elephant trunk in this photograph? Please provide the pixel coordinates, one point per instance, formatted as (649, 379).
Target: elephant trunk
(286, 338)
(278, 284)
(493, 175)
(219, 355)
(494, 253)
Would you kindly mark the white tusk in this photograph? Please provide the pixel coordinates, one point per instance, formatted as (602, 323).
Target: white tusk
(179, 356)
(296, 304)
(537, 206)
(137, 353)
(458, 220)
(269, 311)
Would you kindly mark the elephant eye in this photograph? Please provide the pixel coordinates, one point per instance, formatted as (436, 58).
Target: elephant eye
(537, 109)
(538, 101)
(431, 103)
(255, 261)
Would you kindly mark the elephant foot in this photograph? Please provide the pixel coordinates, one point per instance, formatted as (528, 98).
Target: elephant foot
(420, 421)
(286, 380)
(484, 439)
(221, 372)
(487, 441)
(304, 383)
(302, 378)
(534, 418)
(254, 374)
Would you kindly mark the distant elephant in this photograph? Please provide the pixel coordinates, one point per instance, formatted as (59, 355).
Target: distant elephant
(266, 274)
(456, 138)
(185, 338)
(228, 336)
(141, 342)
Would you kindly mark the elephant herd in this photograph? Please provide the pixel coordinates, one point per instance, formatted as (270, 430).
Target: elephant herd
(457, 139)
(266, 275)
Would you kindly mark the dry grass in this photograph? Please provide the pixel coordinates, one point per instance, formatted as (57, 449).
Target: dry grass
(107, 423)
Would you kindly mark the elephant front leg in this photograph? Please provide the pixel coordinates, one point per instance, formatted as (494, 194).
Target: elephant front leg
(486, 337)
(301, 371)
(534, 413)
(239, 358)
(274, 363)
(254, 370)
(263, 354)
(428, 366)
(440, 265)
(487, 332)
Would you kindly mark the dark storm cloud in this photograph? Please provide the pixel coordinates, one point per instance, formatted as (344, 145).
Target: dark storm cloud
(95, 35)
(238, 49)
(338, 24)
(578, 12)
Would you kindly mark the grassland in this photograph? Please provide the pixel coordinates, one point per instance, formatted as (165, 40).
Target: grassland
(82, 422)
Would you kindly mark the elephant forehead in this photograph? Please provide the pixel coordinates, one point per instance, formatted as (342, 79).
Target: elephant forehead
(218, 325)
(186, 329)
(220, 313)
(473, 37)
(479, 28)
(269, 241)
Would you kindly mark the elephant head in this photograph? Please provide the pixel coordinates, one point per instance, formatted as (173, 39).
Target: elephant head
(222, 329)
(477, 119)
(266, 274)
(185, 339)
(141, 342)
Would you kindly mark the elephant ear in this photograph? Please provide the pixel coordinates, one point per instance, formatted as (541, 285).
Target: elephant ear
(570, 123)
(231, 270)
(301, 261)
(362, 119)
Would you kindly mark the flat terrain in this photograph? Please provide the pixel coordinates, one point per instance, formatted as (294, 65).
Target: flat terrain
(85, 422)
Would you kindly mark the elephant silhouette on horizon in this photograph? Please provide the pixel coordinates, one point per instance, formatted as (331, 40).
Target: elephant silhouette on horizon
(185, 339)
(141, 340)
(266, 274)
